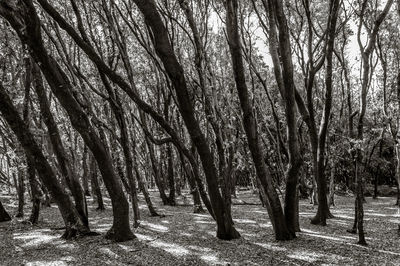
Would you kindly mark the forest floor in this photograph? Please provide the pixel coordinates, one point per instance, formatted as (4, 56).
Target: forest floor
(185, 238)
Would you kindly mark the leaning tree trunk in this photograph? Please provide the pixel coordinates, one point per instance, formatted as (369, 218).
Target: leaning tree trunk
(118, 111)
(277, 217)
(164, 50)
(74, 224)
(26, 23)
(64, 163)
(4, 216)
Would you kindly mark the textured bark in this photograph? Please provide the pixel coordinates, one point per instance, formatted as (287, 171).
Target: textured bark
(21, 194)
(197, 207)
(170, 174)
(323, 207)
(250, 125)
(366, 53)
(4, 216)
(145, 192)
(35, 190)
(131, 92)
(116, 107)
(85, 174)
(96, 191)
(64, 163)
(27, 25)
(74, 225)
(164, 50)
(157, 173)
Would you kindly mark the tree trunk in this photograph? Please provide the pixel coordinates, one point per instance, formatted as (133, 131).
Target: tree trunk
(197, 207)
(21, 194)
(171, 179)
(163, 47)
(27, 25)
(74, 224)
(146, 195)
(360, 199)
(331, 201)
(277, 217)
(96, 190)
(4, 216)
(64, 163)
(85, 174)
(35, 190)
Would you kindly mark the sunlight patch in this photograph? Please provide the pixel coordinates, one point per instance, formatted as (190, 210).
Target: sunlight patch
(245, 221)
(270, 247)
(35, 238)
(47, 263)
(172, 248)
(212, 259)
(305, 256)
(68, 258)
(267, 225)
(144, 237)
(108, 252)
(156, 227)
(67, 246)
(186, 234)
(127, 248)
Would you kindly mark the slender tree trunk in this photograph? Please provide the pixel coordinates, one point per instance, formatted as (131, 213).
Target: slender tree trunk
(145, 192)
(323, 207)
(64, 163)
(360, 199)
(280, 225)
(85, 175)
(171, 179)
(96, 191)
(156, 173)
(21, 194)
(331, 201)
(197, 207)
(35, 190)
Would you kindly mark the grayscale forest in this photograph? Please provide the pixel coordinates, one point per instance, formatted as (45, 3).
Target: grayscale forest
(199, 132)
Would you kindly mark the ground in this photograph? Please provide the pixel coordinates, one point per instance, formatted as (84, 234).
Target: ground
(184, 238)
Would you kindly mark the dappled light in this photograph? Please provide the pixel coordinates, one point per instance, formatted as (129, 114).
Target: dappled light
(194, 241)
(187, 132)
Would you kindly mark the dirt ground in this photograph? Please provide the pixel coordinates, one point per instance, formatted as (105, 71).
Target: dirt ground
(184, 238)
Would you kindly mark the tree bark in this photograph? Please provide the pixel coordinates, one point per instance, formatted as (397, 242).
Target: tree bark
(35, 190)
(4, 216)
(162, 45)
(96, 190)
(74, 224)
(323, 207)
(277, 217)
(71, 178)
(27, 25)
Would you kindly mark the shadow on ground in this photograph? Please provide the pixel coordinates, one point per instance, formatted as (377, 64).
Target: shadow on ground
(184, 238)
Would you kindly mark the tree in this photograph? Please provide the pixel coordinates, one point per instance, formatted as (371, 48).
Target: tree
(27, 18)
(4, 216)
